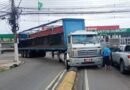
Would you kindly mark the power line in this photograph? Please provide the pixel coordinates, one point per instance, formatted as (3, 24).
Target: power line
(4, 12)
(82, 7)
(19, 3)
(76, 12)
(1, 16)
(4, 7)
(3, 4)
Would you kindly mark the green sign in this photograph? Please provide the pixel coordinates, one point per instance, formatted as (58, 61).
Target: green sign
(6, 35)
(123, 30)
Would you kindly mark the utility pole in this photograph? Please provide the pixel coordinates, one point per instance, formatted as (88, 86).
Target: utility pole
(13, 21)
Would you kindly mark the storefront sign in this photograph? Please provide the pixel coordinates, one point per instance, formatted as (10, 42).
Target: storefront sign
(123, 30)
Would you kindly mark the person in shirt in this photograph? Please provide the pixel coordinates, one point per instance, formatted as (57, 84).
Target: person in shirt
(106, 57)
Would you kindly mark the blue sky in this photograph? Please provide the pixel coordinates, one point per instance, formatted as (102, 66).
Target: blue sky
(28, 21)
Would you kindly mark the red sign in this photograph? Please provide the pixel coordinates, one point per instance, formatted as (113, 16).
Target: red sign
(102, 27)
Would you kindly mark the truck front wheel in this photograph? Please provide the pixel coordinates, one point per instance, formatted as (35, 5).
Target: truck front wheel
(67, 65)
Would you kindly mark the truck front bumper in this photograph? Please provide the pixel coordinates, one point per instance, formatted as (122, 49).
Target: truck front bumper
(93, 61)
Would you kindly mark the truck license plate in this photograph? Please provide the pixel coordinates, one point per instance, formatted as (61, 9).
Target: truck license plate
(87, 60)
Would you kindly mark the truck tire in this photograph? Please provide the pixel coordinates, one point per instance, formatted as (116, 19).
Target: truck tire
(31, 54)
(99, 66)
(44, 54)
(60, 60)
(28, 54)
(58, 55)
(22, 54)
(122, 67)
(67, 65)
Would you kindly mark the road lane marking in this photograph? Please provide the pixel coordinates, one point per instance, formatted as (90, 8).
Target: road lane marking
(59, 79)
(54, 80)
(86, 80)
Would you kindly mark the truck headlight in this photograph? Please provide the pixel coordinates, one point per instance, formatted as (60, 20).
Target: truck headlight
(72, 54)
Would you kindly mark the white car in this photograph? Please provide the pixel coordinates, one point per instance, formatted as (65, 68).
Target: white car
(121, 57)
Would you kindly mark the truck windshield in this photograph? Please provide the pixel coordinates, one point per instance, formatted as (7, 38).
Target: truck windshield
(85, 39)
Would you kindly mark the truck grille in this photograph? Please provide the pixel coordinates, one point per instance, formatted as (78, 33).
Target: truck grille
(85, 53)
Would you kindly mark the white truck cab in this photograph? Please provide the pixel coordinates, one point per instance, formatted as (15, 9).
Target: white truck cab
(84, 49)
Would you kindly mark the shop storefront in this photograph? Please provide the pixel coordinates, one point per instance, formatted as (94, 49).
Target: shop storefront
(6, 40)
(123, 34)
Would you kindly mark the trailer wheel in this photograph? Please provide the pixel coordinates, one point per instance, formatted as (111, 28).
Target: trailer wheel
(31, 54)
(99, 66)
(44, 54)
(22, 54)
(58, 55)
(28, 54)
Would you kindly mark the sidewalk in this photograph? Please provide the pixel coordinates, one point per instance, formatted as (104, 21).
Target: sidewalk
(7, 64)
(7, 61)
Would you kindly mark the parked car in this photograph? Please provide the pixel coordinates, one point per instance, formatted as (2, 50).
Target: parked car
(121, 57)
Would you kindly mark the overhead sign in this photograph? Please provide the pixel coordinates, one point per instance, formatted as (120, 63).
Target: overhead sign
(123, 30)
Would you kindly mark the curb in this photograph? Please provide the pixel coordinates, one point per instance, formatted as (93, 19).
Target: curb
(68, 81)
(10, 65)
(4, 69)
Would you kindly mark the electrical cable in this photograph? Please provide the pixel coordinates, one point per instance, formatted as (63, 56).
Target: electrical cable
(19, 3)
(79, 13)
(68, 8)
(5, 7)
(1, 16)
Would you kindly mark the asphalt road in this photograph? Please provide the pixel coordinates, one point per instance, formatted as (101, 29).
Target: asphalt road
(37, 74)
(34, 74)
(92, 78)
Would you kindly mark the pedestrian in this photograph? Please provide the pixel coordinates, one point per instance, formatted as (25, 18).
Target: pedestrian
(107, 58)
